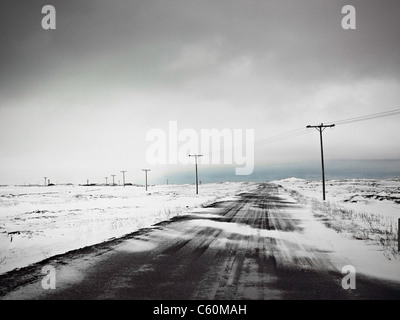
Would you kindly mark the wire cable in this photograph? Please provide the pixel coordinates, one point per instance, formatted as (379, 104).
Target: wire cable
(302, 131)
(368, 117)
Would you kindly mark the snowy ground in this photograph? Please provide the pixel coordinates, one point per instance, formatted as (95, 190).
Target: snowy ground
(362, 209)
(39, 222)
(369, 195)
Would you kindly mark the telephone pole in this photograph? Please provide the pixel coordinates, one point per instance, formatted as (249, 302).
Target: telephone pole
(145, 171)
(321, 128)
(197, 178)
(106, 181)
(123, 177)
(113, 176)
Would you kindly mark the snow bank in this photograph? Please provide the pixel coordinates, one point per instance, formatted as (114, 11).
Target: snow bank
(363, 195)
(362, 216)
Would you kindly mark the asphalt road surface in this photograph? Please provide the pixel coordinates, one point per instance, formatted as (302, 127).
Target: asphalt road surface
(250, 247)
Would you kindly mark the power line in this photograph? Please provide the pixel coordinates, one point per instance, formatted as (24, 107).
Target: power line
(368, 117)
(301, 131)
(281, 137)
(273, 139)
(295, 133)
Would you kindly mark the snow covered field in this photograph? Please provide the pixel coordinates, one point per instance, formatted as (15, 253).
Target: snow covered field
(39, 222)
(362, 209)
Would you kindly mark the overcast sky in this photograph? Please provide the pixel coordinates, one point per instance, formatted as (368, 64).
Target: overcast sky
(77, 102)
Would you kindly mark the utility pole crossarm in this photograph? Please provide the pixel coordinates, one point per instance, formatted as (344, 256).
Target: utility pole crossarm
(321, 126)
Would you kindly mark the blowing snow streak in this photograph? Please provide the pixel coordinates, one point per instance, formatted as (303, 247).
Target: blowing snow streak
(257, 245)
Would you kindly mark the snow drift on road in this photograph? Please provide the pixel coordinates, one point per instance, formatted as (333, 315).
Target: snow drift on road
(39, 222)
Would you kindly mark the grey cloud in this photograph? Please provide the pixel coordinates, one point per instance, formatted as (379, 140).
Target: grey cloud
(253, 63)
(134, 41)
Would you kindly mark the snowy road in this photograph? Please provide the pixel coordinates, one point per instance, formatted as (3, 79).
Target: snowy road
(259, 245)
